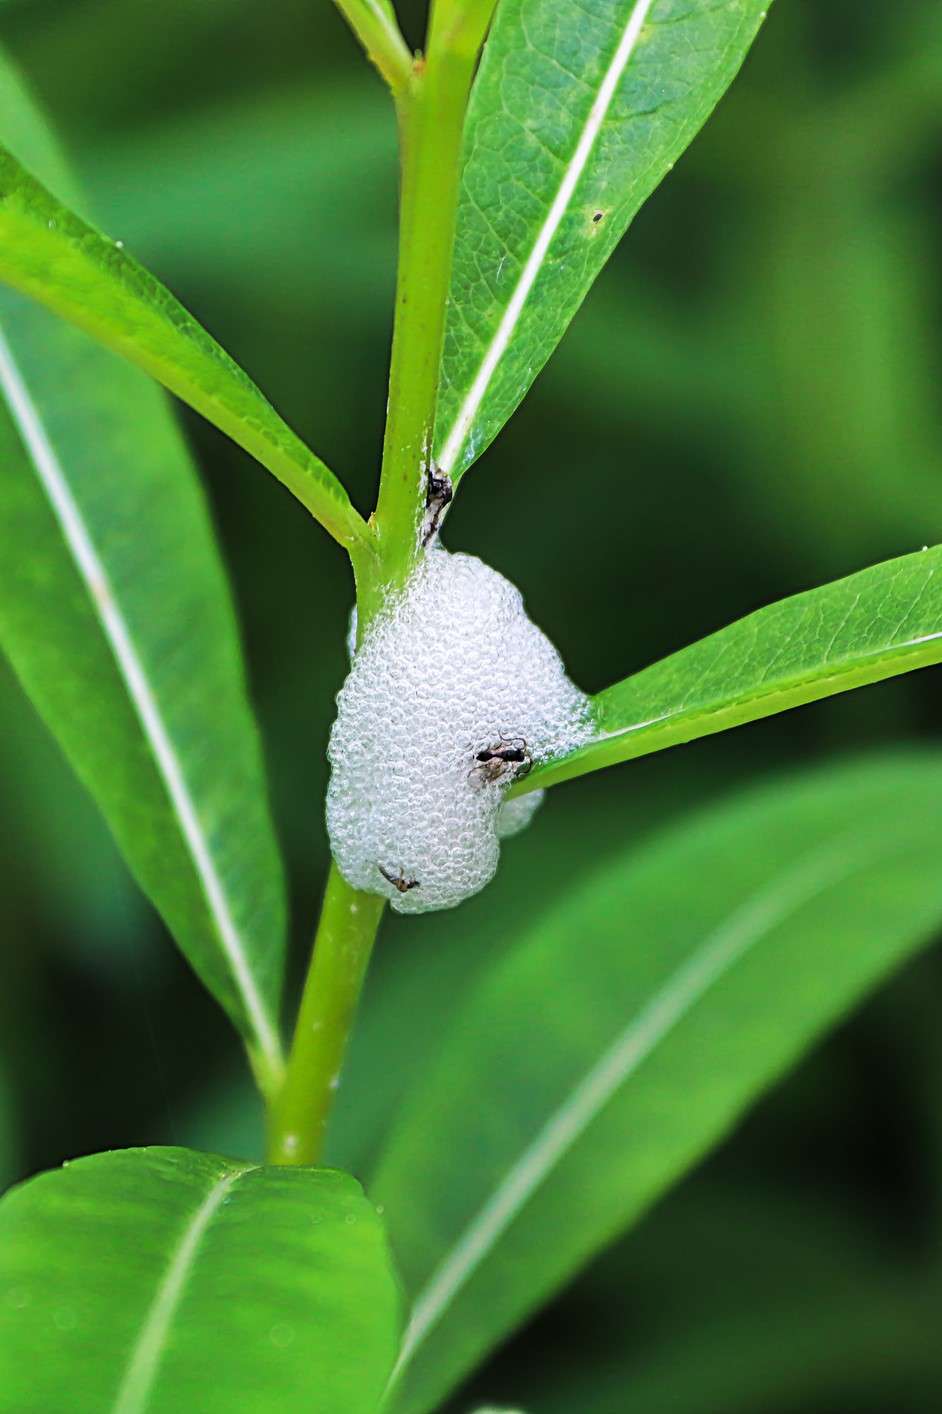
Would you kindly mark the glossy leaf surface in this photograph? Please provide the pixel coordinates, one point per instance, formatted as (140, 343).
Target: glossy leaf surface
(116, 615)
(625, 1033)
(577, 113)
(164, 1281)
(871, 626)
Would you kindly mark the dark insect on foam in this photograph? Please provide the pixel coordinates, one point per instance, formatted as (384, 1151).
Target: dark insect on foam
(509, 758)
(438, 494)
(398, 881)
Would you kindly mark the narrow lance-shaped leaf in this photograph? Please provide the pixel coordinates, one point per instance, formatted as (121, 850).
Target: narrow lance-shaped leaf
(51, 254)
(873, 625)
(577, 113)
(622, 1035)
(163, 1281)
(116, 615)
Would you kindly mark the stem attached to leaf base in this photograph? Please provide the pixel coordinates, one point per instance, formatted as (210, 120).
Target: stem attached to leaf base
(431, 97)
(431, 130)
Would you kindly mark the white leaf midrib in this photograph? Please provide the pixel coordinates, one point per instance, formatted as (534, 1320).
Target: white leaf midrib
(637, 1040)
(457, 436)
(92, 571)
(144, 1360)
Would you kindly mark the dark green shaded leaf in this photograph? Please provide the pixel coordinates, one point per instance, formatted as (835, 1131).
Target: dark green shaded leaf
(836, 1353)
(625, 1033)
(164, 1281)
(740, 1296)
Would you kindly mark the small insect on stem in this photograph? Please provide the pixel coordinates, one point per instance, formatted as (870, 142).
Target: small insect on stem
(398, 881)
(509, 758)
(438, 493)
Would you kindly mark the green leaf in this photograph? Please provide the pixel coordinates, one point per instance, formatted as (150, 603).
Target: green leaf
(319, 207)
(75, 884)
(50, 253)
(873, 625)
(11, 1147)
(577, 114)
(742, 1363)
(625, 1033)
(116, 615)
(164, 1281)
(693, 1305)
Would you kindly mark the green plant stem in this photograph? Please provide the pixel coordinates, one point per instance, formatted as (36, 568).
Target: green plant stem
(374, 24)
(431, 127)
(345, 935)
(431, 101)
(460, 26)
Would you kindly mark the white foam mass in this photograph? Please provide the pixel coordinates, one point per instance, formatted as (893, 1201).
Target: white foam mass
(451, 667)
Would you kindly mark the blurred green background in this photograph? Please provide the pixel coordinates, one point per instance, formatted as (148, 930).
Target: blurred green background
(757, 375)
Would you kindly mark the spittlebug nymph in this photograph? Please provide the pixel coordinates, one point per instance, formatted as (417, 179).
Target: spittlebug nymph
(398, 881)
(508, 760)
(438, 494)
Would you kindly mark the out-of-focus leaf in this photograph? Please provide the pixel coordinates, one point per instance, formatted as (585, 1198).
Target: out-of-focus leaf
(810, 1353)
(157, 1281)
(871, 626)
(63, 856)
(425, 966)
(625, 1033)
(575, 117)
(840, 285)
(51, 254)
(740, 1296)
(116, 615)
(318, 214)
(227, 1116)
(10, 1148)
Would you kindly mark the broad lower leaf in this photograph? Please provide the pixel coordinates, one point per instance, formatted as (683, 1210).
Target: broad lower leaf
(576, 115)
(51, 254)
(164, 1281)
(116, 615)
(624, 1034)
(871, 626)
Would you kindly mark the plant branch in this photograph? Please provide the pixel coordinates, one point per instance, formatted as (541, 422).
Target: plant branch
(374, 24)
(345, 935)
(460, 26)
(431, 127)
(431, 102)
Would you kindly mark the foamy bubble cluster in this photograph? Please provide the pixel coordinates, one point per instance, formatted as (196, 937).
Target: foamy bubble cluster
(450, 670)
